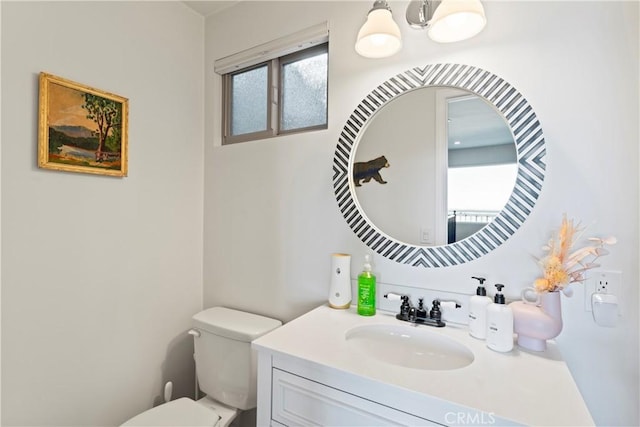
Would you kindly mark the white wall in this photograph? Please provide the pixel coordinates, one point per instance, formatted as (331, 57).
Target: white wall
(404, 132)
(271, 221)
(101, 275)
(0, 221)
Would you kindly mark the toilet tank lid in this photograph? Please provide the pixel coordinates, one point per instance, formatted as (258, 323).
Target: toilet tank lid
(234, 324)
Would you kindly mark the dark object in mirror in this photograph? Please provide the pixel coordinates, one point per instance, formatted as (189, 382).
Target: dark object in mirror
(530, 150)
(364, 171)
(451, 227)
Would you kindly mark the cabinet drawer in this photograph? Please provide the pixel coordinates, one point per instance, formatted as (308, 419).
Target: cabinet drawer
(297, 401)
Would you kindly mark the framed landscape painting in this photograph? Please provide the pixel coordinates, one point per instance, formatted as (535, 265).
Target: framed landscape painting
(81, 129)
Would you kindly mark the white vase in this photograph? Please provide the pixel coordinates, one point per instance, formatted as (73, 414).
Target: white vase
(340, 288)
(535, 323)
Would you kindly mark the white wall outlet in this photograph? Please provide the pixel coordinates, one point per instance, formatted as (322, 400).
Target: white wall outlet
(602, 282)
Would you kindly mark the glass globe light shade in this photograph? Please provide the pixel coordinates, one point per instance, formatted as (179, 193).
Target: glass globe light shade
(456, 20)
(379, 37)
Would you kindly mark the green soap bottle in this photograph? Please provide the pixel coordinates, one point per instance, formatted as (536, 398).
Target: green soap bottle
(367, 289)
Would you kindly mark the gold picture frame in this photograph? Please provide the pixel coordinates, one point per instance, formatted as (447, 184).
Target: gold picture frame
(81, 129)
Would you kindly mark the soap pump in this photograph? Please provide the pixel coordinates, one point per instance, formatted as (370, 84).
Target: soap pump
(367, 289)
(478, 310)
(499, 323)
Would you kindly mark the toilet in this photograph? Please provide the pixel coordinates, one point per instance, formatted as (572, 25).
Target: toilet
(225, 369)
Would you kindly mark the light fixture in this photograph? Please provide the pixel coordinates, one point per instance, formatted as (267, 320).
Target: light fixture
(447, 20)
(379, 37)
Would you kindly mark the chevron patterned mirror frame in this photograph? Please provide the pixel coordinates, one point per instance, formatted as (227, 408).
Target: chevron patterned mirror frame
(530, 147)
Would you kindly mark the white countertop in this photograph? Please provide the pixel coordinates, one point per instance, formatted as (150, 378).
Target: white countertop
(527, 387)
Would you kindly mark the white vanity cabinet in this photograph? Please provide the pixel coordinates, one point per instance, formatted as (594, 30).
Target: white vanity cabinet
(298, 401)
(309, 376)
(297, 392)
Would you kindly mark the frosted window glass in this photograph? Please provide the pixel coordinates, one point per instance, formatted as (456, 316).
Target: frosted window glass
(249, 101)
(304, 96)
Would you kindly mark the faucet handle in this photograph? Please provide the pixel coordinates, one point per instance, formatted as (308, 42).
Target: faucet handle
(438, 305)
(450, 304)
(405, 307)
(435, 312)
(392, 296)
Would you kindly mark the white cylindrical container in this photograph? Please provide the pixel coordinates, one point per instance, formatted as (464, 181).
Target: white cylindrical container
(478, 310)
(478, 316)
(499, 324)
(340, 288)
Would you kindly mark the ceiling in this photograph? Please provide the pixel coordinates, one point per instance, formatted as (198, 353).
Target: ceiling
(475, 123)
(209, 7)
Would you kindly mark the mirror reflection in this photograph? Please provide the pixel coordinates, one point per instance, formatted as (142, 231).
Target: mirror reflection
(434, 166)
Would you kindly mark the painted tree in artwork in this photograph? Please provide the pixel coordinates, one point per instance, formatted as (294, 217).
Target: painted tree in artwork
(107, 115)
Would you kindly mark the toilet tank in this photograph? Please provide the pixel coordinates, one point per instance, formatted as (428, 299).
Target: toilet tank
(225, 362)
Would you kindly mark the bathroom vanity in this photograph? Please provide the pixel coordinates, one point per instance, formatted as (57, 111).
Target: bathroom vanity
(328, 368)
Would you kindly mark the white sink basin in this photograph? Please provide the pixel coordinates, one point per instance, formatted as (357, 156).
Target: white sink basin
(409, 346)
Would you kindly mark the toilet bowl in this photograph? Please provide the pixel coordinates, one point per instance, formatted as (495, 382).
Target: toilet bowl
(179, 412)
(225, 368)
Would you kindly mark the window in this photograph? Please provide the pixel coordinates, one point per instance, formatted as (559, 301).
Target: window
(284, 95)
(249, 99)
(481, 188)
(303, 89)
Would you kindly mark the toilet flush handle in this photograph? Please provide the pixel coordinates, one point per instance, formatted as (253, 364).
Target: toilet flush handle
(194, 332)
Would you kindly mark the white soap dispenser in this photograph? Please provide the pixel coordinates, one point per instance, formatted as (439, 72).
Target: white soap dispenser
(499, 324)
(478, 311)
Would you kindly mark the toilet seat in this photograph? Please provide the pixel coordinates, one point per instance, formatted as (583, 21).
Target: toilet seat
(179, 412)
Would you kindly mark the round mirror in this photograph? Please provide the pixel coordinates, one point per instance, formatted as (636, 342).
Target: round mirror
(454, 166)
(439, 165)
